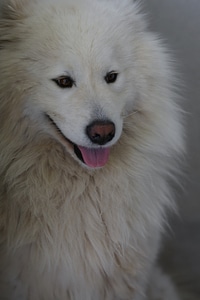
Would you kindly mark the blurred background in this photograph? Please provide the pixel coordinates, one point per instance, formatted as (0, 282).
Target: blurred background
(178, 22)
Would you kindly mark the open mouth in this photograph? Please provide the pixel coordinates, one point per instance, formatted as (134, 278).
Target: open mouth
(92, 157)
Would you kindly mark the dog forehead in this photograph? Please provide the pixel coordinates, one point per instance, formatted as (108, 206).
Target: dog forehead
(73, 41)
(74, 24)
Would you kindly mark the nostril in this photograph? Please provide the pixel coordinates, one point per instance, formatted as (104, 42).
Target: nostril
(101, 132)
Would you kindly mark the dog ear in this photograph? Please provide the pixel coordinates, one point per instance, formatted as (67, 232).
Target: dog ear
(12, 9)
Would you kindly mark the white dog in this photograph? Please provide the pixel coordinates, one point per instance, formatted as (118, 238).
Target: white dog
(89, 136)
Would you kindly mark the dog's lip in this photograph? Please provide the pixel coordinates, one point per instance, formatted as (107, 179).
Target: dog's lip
(58, 129)
(92, 157)
(75, 147)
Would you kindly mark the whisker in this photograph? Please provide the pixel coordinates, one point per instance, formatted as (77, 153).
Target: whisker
(132, 113)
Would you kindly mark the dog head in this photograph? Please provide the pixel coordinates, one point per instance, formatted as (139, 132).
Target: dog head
(79, 67)
(76, 61)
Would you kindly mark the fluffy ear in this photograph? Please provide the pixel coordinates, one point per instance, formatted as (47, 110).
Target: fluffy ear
(12, 9)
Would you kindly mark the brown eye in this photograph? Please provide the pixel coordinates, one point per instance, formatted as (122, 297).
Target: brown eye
(111, 77)
(64, 82)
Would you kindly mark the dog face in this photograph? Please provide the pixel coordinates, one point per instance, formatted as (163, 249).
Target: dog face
(80, 74)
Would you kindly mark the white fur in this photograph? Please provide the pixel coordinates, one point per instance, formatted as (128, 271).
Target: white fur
(69, 232)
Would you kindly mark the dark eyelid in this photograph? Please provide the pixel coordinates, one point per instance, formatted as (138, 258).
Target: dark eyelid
(111, 80)
(58, 79)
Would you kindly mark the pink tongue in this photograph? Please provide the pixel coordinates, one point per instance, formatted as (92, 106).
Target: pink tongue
(95, 157)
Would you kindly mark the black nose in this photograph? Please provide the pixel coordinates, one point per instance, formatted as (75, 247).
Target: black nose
(101, 132)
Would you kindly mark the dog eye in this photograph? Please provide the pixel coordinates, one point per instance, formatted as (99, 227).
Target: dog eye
(111, 77)
(64, 82)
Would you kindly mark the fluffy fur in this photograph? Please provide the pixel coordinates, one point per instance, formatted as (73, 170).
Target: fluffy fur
(69, 231)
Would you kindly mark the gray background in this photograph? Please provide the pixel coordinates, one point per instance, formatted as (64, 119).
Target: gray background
(178, 22)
